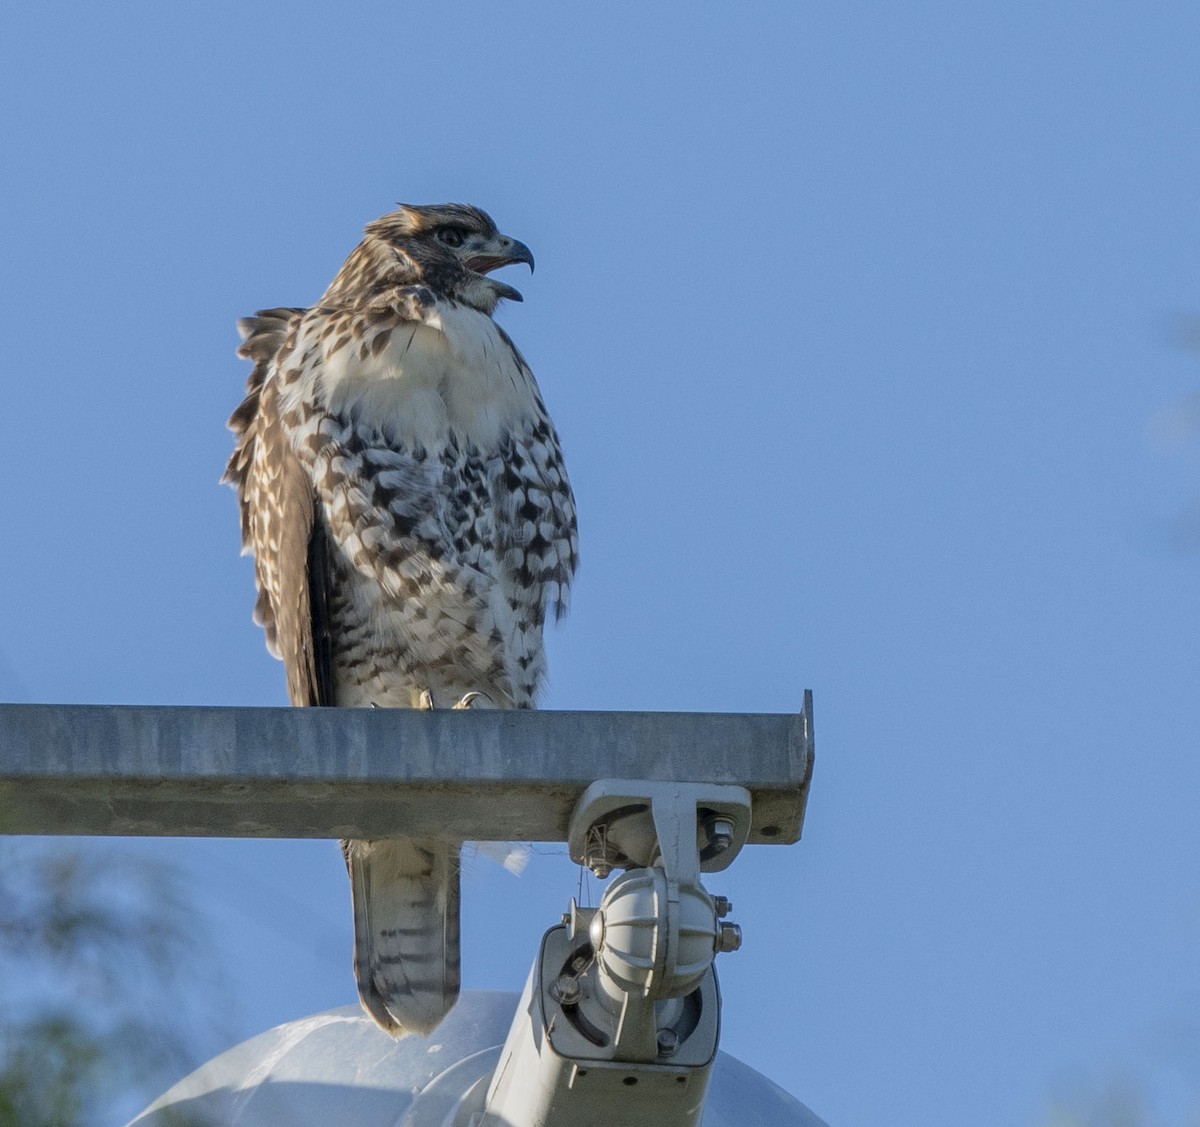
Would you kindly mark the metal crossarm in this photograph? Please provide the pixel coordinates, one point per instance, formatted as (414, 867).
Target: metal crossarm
(482, 775)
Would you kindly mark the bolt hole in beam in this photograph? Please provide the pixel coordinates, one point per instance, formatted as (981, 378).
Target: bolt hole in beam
(486, 775)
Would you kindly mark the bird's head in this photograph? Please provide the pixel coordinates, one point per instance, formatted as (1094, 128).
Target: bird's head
(449, 247)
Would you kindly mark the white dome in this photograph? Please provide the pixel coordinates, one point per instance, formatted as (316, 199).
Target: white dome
(339, 1067)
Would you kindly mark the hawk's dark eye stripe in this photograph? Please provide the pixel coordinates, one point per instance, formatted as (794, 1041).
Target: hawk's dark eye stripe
(451, 236)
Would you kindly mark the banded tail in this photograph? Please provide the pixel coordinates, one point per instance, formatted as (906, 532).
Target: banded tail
(406, 930)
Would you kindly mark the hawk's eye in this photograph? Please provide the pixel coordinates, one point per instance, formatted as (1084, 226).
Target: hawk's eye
(451, 236)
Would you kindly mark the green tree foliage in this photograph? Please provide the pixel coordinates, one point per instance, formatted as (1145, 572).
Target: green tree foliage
(96, 942)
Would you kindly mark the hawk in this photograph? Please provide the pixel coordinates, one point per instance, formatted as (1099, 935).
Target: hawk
(403, 493)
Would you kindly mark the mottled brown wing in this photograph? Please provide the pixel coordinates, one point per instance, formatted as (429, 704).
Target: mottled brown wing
(278, 521)
(538, 535)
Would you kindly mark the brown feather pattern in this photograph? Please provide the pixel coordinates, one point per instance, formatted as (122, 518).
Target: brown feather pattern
(403, 492)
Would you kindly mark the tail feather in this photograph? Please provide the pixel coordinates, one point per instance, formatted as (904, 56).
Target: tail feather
(406, 930)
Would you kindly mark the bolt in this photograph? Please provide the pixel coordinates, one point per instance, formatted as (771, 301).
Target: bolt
(568, 990)
(668, 1042)
(729, 938)
(720, 834)
(722, 905)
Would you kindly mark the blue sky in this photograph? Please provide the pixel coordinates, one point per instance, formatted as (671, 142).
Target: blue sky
(858, 324)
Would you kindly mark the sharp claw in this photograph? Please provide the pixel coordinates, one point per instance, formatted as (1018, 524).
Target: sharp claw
(425, 700)
(469, 698)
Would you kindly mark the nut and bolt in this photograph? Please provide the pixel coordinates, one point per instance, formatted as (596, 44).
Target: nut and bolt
(720, 834)
(568, 990)
(729, 938)
(668, 1042)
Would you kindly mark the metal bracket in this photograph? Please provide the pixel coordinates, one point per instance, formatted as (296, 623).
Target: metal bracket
(684, 828)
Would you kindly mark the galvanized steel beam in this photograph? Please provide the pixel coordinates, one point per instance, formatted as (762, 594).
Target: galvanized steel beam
(483, 775)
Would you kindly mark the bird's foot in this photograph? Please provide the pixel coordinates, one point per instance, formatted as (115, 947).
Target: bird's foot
(469, 699)
(425, 700)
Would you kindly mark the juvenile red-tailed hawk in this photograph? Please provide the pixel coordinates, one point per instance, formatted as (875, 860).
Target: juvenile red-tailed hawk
(404, 496)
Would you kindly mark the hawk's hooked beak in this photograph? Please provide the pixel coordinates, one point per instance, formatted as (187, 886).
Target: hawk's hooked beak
(499, 251)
